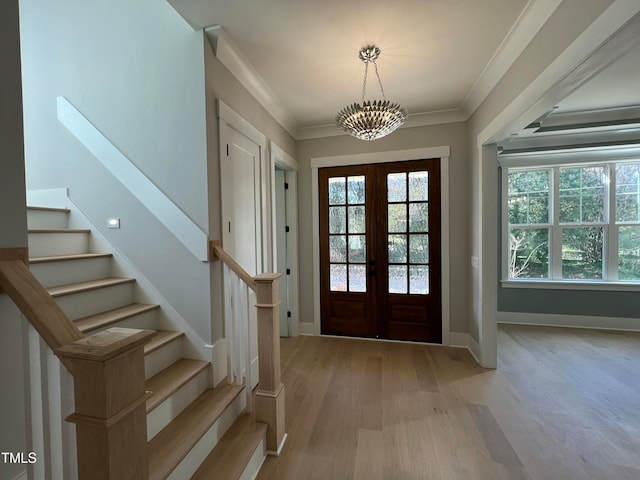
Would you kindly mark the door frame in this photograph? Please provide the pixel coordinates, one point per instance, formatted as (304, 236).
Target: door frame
(441, 152)
(279, 158)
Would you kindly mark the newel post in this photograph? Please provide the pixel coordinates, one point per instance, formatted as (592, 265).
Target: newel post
(270, 395)
(110, 417)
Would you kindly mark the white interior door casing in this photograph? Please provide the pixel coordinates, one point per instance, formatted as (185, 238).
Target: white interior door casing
(289, 283)
(281, 240)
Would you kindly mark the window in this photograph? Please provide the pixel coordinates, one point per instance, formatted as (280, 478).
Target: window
(572, 223)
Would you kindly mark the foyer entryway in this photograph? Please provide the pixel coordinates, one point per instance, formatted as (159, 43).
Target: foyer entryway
(380, 250)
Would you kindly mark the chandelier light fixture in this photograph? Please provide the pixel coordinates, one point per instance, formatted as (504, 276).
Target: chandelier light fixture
(370, 120)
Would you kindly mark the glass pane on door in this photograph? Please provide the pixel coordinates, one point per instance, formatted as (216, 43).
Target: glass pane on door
(347, 234)
(408, 232)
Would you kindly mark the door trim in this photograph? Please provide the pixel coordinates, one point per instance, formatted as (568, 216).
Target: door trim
(279, 158)
(441, 152)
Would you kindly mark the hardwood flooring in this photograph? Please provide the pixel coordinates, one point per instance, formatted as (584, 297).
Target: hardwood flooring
(563, 404)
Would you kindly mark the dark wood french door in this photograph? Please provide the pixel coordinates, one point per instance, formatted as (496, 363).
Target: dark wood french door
(380, 250)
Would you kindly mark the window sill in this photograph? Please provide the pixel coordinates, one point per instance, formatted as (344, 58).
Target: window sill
(573, 285)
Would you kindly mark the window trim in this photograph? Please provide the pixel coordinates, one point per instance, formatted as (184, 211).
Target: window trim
(554, 162)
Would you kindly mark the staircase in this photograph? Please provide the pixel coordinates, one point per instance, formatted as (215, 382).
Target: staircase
(194, 429)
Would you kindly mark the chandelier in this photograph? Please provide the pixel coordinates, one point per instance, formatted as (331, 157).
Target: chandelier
(370, 120)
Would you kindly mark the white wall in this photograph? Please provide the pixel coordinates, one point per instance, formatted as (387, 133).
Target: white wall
(12, 235)
(454, 135)
(135, 70)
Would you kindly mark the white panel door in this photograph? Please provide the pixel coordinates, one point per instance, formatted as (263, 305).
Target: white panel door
(240, 188)
(241, 215)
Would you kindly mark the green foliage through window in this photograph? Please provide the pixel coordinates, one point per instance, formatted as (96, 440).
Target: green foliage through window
(590, 215)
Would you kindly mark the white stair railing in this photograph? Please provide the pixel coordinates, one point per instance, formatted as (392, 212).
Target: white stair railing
(239, 289)
(51, 401)
(237, 331)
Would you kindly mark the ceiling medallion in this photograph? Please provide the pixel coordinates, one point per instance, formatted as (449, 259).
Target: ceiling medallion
(370, 120)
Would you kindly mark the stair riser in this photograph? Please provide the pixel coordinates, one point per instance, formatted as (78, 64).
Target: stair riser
(46, 219)
(188, 466)
(164, 413)
(162, 358)
(256, 461)
(64, 273)
(50, 244)
(79, 305)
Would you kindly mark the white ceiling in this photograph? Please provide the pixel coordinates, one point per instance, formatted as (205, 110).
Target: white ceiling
(617, 86)
(434, 52)
(440, 58)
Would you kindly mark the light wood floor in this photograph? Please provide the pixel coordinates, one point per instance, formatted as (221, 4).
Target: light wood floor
(563, 404)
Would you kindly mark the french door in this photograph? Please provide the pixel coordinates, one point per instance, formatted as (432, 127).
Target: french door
(380, 250)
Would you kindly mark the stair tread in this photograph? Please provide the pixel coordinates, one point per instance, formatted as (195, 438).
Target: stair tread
(59, 230)
(103, 319)
(86, 286)
(48, 209)
(67, 258)
(174, 442)
(161, 338)
(168, 381)
(234, 450)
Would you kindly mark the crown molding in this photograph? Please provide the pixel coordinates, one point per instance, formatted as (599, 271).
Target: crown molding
(531, 19)
(231, 57)
(413, 120)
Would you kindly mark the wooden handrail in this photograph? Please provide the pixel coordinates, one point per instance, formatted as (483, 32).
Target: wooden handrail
(217, 252)
(108, 373)
(40, 309)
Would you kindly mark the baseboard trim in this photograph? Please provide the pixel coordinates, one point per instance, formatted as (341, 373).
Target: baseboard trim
(569, 321)
(307, 328)
(464, 340)
(280, 447)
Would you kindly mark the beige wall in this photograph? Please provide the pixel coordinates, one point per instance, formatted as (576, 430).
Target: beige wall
(455, 135)
(221, 84)
(12, 234)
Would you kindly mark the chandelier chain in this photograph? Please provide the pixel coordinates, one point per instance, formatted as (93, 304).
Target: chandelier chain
(375, 64)
(364, 83)
(366, 75)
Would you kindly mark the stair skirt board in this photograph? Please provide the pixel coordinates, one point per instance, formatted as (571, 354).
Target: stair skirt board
(51, 274)
(189, 464)
(61, 243)
(80, 305)
(164, 413)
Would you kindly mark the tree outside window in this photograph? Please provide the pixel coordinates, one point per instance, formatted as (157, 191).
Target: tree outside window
(565, 221)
